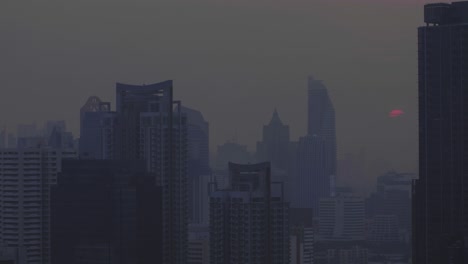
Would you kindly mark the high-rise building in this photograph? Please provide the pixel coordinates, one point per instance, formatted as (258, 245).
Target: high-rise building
(440, 195)
(342, 218)
(249, 220)
(302, 236)
(198, 166)
(199, 244)
(275, 143)
(27, 176)
(106, 211)
(311, 182)
(97, 130)
(152, 127)
(321, 122)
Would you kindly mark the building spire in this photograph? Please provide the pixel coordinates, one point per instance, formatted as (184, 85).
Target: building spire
(275, 118)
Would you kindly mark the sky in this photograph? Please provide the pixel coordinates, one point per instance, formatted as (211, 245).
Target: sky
(235, 61)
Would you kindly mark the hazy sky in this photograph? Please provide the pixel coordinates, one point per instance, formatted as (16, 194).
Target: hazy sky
(233, 60)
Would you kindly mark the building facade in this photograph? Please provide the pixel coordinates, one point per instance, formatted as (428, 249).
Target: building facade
(26, 177)
(249, 221)
(342, 218)
(440, 195)
(198, 166)
(106, 212)
(97, 130)
(152, 127)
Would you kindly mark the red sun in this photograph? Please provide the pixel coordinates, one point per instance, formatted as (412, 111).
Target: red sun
(395, 113)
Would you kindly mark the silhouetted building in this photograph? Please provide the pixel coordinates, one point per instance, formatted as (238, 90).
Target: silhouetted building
(106, 212)
(198, 166)
(249, 221)
(311, 182)
(275, 143)
(151, 127)
(321, 122)
(440, 196)
(342, 218)
(97, 126)
(27, 176)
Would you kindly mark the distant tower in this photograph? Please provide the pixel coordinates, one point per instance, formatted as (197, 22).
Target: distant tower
(275, 143)
(311, 181)
(440, 196)
(249, 221)
(321, 122)
(97, 126)
(198, 165)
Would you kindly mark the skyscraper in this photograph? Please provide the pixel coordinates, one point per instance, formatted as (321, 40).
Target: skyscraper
(440, 196)
(27, 176)
(311, 181)
(321, 122)
(275, 143)
(106, 212)
(152, 127)
(97, 129)
(249, 220)
(198, 165)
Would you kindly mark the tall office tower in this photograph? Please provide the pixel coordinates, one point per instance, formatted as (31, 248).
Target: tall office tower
(275, 143)
(151, 127)
(27, 176)
(342, 218)
(97, 130)
(106, 211)
(311, 181)
(249, 221)
(321, 122)
(440, 212)
(198, 166)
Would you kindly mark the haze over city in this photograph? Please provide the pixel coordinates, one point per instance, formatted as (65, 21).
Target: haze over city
(234, 61)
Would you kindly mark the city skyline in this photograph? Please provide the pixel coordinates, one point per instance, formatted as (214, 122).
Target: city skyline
(310, 43)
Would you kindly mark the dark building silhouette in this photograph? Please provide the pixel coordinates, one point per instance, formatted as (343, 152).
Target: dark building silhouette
(314, 165)
(105, 211)
(152, 127)
(198, 166)
(311, 182)
(249, 220)
(275, 144)
(97, 129)
(440, 196)
(321, 122)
